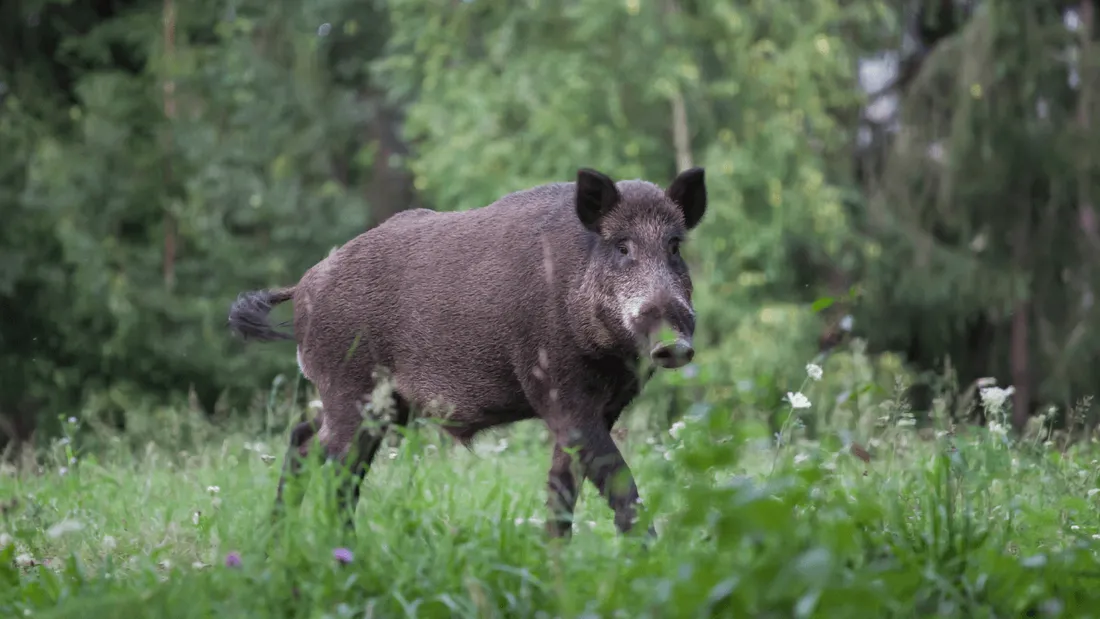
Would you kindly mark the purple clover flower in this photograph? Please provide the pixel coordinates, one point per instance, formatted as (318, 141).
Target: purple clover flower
(343, 555)
(233, 559)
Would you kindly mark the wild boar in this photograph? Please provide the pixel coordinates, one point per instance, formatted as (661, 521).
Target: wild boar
(539, 305)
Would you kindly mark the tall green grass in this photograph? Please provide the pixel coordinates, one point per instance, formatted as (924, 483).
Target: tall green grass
(946, 526)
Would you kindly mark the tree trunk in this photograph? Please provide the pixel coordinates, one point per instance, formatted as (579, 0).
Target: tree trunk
(390, 189)
(170, 114)
(1021, 317)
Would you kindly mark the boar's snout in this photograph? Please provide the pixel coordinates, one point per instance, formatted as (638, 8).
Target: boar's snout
(674, 354)
(672, 348)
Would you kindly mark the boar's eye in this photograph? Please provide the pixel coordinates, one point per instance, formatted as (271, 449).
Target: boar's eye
(674, 247)
(623, 247)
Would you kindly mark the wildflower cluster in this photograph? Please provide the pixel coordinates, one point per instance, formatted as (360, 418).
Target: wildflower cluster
(994, 400)
(796, 398)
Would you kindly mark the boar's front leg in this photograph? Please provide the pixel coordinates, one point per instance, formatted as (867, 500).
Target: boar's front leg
(602, 463)
(563, 488)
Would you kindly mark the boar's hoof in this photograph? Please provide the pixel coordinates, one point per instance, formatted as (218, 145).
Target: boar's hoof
(673, 354)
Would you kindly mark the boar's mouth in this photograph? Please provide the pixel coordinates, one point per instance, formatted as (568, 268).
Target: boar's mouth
(672, 353)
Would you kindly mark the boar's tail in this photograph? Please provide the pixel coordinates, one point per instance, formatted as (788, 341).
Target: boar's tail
(248, 314)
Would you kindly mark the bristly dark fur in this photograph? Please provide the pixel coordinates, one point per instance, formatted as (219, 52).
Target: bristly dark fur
(538, 305)
(248, 315)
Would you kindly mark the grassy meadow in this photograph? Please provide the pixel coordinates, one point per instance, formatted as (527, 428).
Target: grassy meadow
(931, 167)
(941, 522)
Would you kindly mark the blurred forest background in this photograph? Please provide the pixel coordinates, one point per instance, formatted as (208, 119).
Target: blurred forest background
(919, 174)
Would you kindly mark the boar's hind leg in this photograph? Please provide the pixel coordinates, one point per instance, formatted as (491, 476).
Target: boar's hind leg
(354, 444)
(292, 463)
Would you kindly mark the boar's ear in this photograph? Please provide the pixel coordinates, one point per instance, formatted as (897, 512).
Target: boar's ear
(689, 192)
(596, 197)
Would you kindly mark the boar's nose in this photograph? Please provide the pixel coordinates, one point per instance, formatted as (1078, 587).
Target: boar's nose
(672, 354)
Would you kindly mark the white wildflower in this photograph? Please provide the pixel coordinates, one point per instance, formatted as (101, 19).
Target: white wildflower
(5, 540)
(668, 455)
(24, 560)
(195, 518)
(62, 471)
(267, 458)
(213, 489)
(800, 458)
(63, 527)
(814, 371)
(109, 542)
(316, 405)
(64, 441)
(798, 400)
(994, 397)
(198, 565)
(676, 428)
(847, 323)
(1093, 492)
(72, 420)
(998, 429)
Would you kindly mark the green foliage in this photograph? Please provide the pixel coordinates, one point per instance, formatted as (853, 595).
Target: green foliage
(984, 211)
(953, 527)
(596, 87)
(134, 212)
